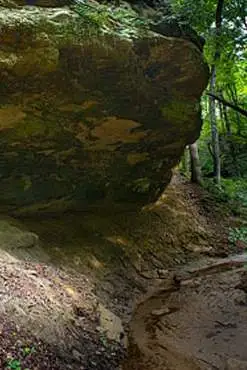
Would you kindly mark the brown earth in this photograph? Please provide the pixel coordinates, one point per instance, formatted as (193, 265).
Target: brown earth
(66, 284)
(200, 325)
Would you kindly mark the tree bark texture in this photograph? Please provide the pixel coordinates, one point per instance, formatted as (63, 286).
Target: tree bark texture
(212, 105)
(196, 175)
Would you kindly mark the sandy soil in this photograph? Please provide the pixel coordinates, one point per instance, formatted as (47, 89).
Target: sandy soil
(199, 325)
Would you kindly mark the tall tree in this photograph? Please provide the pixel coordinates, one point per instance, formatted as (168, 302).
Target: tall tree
(212, 105)
(223, 25)
(196, 175)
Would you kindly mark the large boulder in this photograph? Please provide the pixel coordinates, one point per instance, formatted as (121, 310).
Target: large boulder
(94, 112)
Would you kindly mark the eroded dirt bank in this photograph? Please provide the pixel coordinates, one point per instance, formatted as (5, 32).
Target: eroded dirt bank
(199, 325)
(69, 286)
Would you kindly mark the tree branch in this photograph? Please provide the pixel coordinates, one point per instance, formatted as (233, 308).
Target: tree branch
(229, 104)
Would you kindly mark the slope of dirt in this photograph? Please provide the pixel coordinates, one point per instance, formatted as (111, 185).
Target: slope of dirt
(183, 225)
(55, 314)
(67, 282)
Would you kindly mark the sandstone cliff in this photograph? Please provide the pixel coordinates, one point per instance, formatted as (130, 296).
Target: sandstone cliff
(95, 110)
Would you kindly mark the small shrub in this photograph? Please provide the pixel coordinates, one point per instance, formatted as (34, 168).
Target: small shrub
(28, 351)
(238, 235)
(13, 364)
(232, 191)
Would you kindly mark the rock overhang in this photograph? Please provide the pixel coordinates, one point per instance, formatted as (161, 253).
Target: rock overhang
(95, 117)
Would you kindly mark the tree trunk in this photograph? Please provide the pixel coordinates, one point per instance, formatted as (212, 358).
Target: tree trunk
(212, 106)
(224, 116)
(235, 101)
(227, 122)
(228, 132)
(234, 97)
(222, 119)
(186, 162)
(196, 175)
(214, 129)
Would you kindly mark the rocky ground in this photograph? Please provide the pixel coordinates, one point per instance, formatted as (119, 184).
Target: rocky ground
(68, 288)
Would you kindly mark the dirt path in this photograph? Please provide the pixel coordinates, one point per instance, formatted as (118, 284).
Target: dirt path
(69, 285)
(200, 325)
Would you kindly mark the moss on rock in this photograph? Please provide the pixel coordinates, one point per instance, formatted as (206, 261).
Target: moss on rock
(93, 111)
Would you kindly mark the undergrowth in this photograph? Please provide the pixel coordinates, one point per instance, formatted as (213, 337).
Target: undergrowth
(238, 235)
(232, 192)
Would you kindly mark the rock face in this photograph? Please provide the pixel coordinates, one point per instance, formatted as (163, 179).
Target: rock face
(92, 113)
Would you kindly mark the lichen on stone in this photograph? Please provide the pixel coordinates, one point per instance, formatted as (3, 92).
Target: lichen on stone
(95, 109)
(180, 110)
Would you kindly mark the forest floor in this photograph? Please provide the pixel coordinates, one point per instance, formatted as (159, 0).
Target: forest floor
(200, 324)
(70, 285)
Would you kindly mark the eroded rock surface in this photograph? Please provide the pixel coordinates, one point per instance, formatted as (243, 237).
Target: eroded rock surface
(89, 115)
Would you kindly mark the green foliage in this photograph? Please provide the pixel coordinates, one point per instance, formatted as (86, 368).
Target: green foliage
(238, 235)
(231, 73)
(28, 351)
(13, 364)
(123, 21)
(231, 192)
(103, 340)
(233, 156)
(233, 150)
(236, 190)
(199, 14)
(97, 17)
(218, 191)
(16, 364)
